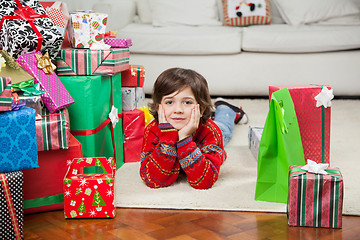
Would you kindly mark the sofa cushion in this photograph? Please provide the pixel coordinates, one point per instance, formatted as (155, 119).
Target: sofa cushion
(297, 12)
(182, 40)
(301, 39)
(184, 12)
(244, 13)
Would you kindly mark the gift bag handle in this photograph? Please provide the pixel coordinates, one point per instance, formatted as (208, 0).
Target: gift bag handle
(79, 163)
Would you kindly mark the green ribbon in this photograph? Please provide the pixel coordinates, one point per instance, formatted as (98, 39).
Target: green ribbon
(33, 91)
(138, 76)
(19, 86)
(322, 131)
(43, 201)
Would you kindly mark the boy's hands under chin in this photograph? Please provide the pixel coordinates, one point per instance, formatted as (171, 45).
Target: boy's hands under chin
(192, 125)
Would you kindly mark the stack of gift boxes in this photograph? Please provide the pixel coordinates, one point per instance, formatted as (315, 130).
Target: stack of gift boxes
(315, 198)
(60, 101)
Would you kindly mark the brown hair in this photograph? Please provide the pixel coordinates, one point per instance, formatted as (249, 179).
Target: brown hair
(174, 80)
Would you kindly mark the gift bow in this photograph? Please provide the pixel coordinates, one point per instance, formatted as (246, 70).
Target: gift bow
(110, 34)
(324, 97)
(45, 63)
(315, 167)
(113, 115)
(27, 13)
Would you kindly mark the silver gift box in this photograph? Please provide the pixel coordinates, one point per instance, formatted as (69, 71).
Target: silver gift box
(254, 140)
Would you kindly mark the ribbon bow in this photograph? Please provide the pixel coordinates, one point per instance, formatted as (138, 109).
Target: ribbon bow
(27, 13)
(2, 62)
(45, 63)
(324, 97)
(113, 115)
(314, 167)
(110, 34)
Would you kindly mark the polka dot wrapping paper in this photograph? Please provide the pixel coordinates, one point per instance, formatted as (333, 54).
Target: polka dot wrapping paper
(56, 96)
(11, 205)
(18, 149)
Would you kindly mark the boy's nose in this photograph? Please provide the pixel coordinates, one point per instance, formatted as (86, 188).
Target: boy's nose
(178, 108)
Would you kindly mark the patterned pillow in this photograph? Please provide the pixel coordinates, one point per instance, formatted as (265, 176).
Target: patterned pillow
(246, 12)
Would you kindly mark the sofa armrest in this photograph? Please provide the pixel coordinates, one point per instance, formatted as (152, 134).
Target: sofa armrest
(120, 12)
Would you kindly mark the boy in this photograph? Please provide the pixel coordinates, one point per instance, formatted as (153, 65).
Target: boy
(183, 137)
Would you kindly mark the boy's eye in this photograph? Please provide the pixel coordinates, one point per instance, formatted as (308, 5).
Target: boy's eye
(188, 102)
(168, 102)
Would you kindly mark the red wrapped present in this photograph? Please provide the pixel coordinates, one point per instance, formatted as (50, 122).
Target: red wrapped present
(42, 69)
(90, 195)
(314, 121)
(53, 130)
(11, 205)
(44, 187)
(134, 126)
(315, 200)
(133, 77)
(5, 94)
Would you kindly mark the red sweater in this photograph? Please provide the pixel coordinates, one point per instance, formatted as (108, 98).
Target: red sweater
(200, 155)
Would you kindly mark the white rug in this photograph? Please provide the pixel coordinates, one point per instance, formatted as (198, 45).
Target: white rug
(235, 187)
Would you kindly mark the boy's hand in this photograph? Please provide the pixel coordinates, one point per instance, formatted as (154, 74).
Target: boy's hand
(161, 114)
(192, 125)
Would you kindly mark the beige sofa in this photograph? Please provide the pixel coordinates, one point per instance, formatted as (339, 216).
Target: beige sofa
(243, 61)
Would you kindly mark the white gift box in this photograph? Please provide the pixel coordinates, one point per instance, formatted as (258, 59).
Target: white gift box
(132, 97)
(254, 140)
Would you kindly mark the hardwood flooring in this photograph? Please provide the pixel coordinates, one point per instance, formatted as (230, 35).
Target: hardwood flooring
(150, 224)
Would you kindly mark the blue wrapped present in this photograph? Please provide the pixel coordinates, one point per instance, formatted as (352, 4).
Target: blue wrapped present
(18, 149)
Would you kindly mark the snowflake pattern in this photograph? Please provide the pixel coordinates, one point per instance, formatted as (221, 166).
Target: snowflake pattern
(109, 192)
(67, 193)
(83, 182)
(92, 213)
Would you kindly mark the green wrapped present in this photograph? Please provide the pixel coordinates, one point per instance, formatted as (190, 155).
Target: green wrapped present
(96, 115)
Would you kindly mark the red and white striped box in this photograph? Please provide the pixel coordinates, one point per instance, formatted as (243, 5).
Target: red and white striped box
(315, 200)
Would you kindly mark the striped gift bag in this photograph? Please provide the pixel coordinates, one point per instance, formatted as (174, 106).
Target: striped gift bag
(315, 200)
(53, 130)
(5, 94)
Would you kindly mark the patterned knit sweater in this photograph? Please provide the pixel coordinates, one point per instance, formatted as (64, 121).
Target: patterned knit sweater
(199, 155)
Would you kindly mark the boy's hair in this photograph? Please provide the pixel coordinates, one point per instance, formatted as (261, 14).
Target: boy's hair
(174, 80)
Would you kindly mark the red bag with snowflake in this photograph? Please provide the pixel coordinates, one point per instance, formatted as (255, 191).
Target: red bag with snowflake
(90, 195)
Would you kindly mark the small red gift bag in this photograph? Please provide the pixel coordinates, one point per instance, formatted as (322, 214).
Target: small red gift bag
(89, 195)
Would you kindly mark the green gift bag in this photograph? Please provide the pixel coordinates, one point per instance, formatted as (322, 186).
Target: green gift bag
(280, 147)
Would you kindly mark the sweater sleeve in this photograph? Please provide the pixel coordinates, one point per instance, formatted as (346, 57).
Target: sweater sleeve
(202, 163)
(159, 165)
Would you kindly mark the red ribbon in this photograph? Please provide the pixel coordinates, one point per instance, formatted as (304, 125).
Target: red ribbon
(102, 125)
(10, 205)
(27, 14)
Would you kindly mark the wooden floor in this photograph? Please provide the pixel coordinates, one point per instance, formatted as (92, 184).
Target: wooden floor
(147, 224)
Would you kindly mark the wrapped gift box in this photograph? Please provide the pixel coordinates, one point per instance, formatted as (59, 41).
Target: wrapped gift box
(11, 211)
(5, 94)
(58, 13)
(44, 186)
(13, 70)
(92, 62)
(18, 140)
(132, 97)
(34, 102)
(53, 130)
(134, 76)
(56, 96)
(118, 42)
(19, 36)
(87, 29)
(315, 200)
(89, 115)
(133, 126)
(314, 123)
(89, 195)
(254, 136)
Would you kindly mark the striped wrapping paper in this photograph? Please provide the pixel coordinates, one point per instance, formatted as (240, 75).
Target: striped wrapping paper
(118, 42)
(5, 94)
(92, 62)
(315, 200)
(53, 130)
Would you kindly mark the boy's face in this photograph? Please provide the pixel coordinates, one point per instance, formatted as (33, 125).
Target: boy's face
(177, 107)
